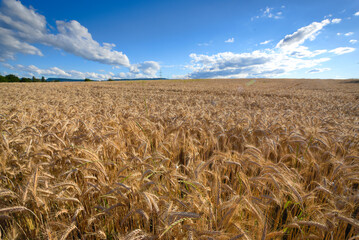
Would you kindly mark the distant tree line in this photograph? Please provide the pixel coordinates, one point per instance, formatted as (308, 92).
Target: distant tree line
(14, 78)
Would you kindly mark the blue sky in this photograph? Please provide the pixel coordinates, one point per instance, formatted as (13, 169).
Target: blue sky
(180, 39)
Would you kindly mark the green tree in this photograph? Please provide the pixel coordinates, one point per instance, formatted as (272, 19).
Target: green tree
(12, 78)
(34, 79)
(25, 79)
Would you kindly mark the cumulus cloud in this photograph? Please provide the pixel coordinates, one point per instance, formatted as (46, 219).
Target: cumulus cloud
(91, 75)
(356, 14)
(266, 63)
(32, 70)
(342, 50)
(54, 71)
(230, 60)
(21, 27)
(336, 20)
(10, 44)
(230, 40)
(142, 70)
(146, 69)
(349, 34)
(75, 38)
(288, 55)
(302, 34)
(318, 70)
(353, 41)
(21, 20)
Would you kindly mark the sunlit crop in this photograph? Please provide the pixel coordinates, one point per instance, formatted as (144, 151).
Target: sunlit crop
(197, 159)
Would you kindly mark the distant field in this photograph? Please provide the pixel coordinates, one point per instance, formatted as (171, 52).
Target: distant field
(180, 159)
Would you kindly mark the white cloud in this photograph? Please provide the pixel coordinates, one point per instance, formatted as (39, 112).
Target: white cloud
(10, 44)
(342, 50)
(230, 40)
(302, 34)
(91, 75)
(21, 27)
(54, 71)
(288, 55)
(353, 41)
(24, 21)
(265, 42)
(267, 63)
(75, 38)
(145, 69)
(179, 76)
(318, 70)
(336, 20)
(269, 12)
(302, 52)
(142, 70)
(230, 60)
(349, 34)
(32, 70)
(356, 14)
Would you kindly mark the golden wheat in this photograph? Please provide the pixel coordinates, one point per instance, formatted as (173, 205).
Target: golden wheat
(182, 159)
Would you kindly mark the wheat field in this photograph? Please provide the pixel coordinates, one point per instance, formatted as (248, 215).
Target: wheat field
(180, 159)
